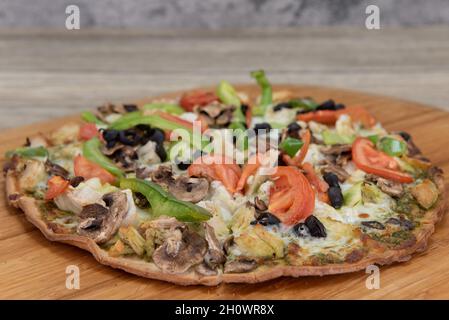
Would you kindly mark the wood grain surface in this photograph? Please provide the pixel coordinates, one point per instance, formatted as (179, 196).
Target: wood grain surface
(32, 267)
(48, 74)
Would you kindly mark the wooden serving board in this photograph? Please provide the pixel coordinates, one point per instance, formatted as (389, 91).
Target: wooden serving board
(32, 267)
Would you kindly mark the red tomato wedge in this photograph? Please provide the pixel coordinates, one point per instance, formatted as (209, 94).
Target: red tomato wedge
(306, 137)
(319, 184)
(88, 170)
(197, 98)
(329, 117)
(249, 170)
(292, 198)
(56, 186)
(88, 131)
(219, 168)
(370, 160)
(359, 114)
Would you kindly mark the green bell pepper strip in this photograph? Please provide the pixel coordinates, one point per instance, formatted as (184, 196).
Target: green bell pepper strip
(227, 94)
(125, 121)
(291, 146)
(331, 137)
(163, 203)
(131, 120)
(28, 152)
(92, 152)
(91, 118)
(374, 138)
(267, 94)
(392, 147)
(166, 107)
(305, 104)
(151, 120)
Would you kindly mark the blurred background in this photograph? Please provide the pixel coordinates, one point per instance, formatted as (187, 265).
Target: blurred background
(130, 49)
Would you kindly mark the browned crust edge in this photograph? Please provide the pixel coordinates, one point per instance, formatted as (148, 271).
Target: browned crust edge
(263, 273)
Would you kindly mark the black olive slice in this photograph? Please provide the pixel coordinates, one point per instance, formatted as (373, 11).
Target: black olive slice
(336, 197)
(316, 228)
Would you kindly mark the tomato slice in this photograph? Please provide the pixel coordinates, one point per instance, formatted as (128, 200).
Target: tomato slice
(359, 114)
(319, 184)
(306, 137)
(88, 131)
(197, 98)
(370, 160)
(292, 198)
(249, 169)
(88, 170)
(217, 167)
(329, 117)
(56, 186)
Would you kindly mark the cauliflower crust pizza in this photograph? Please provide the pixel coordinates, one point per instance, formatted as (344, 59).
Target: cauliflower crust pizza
(324, 190)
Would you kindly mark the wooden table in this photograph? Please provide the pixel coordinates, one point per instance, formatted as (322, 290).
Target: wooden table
(32, 267)
(47, 74)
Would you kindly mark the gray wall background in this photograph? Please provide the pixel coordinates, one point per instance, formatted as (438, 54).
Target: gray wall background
(218, 14)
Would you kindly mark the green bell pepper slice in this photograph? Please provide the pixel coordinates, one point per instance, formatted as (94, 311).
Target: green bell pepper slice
(267, 92)
(291, 146)
(305, 104)
(91, 118)
(166, 107)
(227, 94)
(392, 147)
(163, 203)
(28, 152)
(331, 137)
(92, 152)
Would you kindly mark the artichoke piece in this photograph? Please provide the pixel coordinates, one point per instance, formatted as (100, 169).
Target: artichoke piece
(132, 237)
(258, 242)
(426, 193)
(242, 218)
(153, 238)
(353, 196)
(120, 249)
(371, 193)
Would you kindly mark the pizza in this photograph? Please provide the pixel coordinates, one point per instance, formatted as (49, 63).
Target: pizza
(229, 184)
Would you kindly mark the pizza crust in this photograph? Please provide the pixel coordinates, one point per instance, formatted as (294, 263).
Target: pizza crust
(263, 273)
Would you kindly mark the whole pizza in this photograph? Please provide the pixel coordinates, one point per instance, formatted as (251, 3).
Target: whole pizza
(225, 185)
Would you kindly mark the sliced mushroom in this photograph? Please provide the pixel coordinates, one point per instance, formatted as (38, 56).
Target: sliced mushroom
(56, 170)
(216, 115)
(392, 188)
(178, 253)
(336, 149)
(204, 270)
(240, 265)
(99, 222)
(108, 109)
(162, 176)
(189, 189)
(329, 167)
(183, 187)
(215, 255)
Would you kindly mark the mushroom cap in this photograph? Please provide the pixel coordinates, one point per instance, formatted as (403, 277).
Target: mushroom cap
(215, 255)
(189, 189)
(191, 249)
(99, 222)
